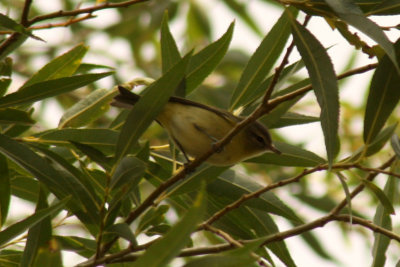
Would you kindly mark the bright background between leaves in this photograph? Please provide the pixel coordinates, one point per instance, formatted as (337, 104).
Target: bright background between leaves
(49, 140)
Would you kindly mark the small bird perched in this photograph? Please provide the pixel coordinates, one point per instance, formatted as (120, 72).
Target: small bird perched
(194, 127)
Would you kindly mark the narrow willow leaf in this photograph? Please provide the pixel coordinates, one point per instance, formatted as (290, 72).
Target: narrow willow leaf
(87, 109)
(129, 169)
(25, 188)
(383, 199)
(240, 9)
(82, 246)
(383, 97)
(15, 116)
(349, 12)
(19, 40)
(167, 247)
(169, 51)
(10, 24)
(103, 139)
(153, 217)
(383, 219)
(376, 145)
(95, 155)
(205, 174)
(149, 105)
(225, 260)
(62, 66)
(123, 230)
(231, 187)
(395, 142)
(60, 182)
(5, 190)
(18, 228)
(390, 7)
(324, 82)
(39, 235)
(204, 62)
(42, 90)
(49, 255)
(342, 180)
(291, 118)
(10, 258)
(291, 156)
(262, 61)
(198, 25)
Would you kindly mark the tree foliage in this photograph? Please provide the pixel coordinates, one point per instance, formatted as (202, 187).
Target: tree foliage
(100, 171)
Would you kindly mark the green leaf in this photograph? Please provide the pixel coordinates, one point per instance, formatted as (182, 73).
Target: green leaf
(49, 256)
(204, 174)
(153, 217)
(324, 82)
(231, 187)
(240, 9)
(349, 12)
(169, 51)
(123, 230)
(382, 218)
(235, 258)
(395, 142)
(60, 67)
(167, 247)
(18, 40)
(342, 180)
(18, 228)
(82, 246)
(128, 170)
(376, 145)
(291, 156)
(95, 155)
(383, 97)
(42, 90)
(87, 109)
(198, 25)
(25, 188)
(61, 180)
(205, 61)
(383, 199)
(5, 190)
(263, 59)
(291, 118)
(10, 24)
(11, 116)
(104, 139)
(10, 258)
(148, 107)
(39, 235)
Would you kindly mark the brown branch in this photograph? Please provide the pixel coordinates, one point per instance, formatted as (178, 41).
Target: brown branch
(368, 224)
(25, 12)
(280, 99)
(86, 10)
(62, 24)
(236, 204)
(280, 68)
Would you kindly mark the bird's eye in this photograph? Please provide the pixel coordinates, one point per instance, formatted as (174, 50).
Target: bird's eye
(260, 140)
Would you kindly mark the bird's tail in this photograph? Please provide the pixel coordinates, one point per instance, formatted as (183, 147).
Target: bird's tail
(125, 99)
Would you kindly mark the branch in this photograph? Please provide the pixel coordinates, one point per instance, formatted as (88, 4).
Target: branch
(280, 99)
(62, 24)
(80, 11)
(25, 12)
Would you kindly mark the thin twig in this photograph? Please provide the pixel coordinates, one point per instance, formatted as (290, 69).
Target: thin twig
(25, 13)
(86, 10)
(62, 24)
(280, 99)
(281, 67)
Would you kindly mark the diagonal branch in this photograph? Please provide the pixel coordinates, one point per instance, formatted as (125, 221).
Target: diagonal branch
(87, 10)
